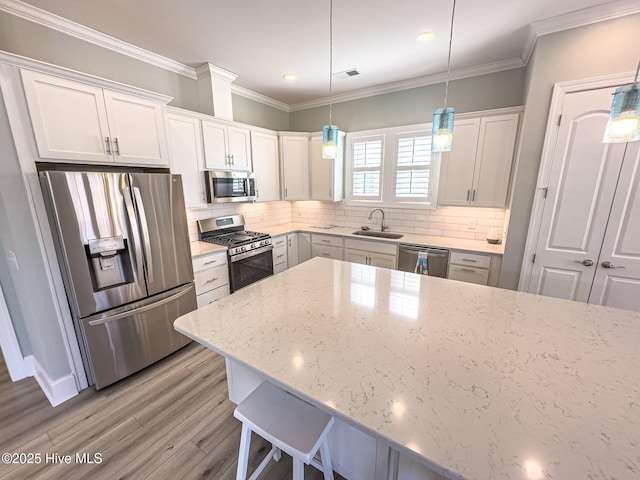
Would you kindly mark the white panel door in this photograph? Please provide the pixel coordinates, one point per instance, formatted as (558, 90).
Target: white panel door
(186, 157)
(496, 142)
(137, 129)
(264, 150)
(457, 166)
(69, 119)
(617, 279)
(581, 187)
(239, 143)
(214, 137)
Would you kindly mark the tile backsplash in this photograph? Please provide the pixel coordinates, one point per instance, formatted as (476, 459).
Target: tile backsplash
(456, 222)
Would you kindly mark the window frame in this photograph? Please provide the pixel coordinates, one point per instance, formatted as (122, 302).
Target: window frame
(389, 168)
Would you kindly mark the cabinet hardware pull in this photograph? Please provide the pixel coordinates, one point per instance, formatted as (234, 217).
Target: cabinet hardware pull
(468, 194)
(280, 256)
(233, 161)
(329, 192)
(468, 270)
(289, 242)
(285, 193)
(325, 255)
(326, 241)
(116, 145)
(469, 260)
(210, 262)
(473, 196)
(108, 145)
(210, 280)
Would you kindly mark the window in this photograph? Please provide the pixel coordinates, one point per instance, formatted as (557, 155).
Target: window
(392, 166)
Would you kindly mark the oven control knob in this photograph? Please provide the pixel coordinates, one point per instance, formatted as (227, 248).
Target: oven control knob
(243, 249)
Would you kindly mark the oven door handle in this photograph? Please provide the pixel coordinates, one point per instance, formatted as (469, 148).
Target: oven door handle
(250, 253)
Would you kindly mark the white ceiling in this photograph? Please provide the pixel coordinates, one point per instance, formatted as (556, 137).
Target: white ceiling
(259, 40)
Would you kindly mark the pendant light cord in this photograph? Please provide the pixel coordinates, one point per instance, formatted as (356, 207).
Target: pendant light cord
(331, 57)
(446, 85)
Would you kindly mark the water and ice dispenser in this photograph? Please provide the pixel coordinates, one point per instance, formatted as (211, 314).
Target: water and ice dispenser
(110, 262)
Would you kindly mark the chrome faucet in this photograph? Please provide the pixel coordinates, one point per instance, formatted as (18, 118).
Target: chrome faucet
(382, 226)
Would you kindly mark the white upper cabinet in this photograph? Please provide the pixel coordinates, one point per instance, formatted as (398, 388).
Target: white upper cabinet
(477, 170)
(264, 151)
(326, 176)
(80, 122)
(186, 157)
(294, 157)
(226, 147)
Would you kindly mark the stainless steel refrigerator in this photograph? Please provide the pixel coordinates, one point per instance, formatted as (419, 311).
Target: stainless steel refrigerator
(123, 247)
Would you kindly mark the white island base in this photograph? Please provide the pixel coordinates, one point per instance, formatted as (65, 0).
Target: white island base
(355, 455)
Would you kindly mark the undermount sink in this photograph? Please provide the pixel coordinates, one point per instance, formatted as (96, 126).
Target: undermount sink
(374, 233)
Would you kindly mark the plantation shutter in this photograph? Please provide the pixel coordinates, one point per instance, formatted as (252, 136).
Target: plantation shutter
(367, 168)
(413, 167)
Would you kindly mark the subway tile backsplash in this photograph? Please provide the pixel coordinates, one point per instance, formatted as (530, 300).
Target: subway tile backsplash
(455, 222)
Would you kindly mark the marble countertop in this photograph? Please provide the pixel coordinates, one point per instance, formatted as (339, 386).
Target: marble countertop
(426, 240)
(479, 383)
(203, 248)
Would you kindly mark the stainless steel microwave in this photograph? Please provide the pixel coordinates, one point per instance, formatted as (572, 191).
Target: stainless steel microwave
(223, 186)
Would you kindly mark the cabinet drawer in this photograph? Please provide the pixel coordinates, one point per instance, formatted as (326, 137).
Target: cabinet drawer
(370, 246)
(468, 274)
(326, 240)
(326, 251)
(470, 259)
(280, 255)
(211, 278)
(280, 241)
(208, 261)
(212, 295)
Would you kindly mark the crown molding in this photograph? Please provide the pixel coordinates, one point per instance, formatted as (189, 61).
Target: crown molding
(458, 74)
(579, 18)
(210, 70)
(251, 95)
(60, 24)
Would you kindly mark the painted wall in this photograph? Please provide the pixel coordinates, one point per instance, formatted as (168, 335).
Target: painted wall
(595, 50)
(407, 107)
(255, 113)
(33, 297)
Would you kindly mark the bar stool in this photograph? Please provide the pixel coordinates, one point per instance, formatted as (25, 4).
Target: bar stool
(289, 424)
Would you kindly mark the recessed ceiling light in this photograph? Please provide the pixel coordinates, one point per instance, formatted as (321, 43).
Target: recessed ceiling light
(425, 36)
(289, 76)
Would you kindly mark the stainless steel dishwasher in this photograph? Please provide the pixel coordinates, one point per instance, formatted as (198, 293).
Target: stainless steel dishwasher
(437, 259)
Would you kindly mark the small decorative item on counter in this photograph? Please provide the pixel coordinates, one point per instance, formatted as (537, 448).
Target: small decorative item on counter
(494, 236)
(422, 265)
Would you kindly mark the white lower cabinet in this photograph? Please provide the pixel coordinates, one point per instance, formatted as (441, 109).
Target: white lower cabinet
(279, 252)
(326, 246)
(474, 268)
(366, 252)
(211, 275)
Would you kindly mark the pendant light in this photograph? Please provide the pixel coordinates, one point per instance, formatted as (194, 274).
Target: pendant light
(624, 119)
(330, 132)
(443, 117)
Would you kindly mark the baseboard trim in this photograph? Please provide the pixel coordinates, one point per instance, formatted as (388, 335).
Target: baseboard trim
(57, 391)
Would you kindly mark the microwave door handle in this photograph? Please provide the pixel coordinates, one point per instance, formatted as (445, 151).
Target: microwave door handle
(135, 233)
(145, 233)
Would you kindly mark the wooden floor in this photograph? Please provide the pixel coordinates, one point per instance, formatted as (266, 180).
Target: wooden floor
(170, 421)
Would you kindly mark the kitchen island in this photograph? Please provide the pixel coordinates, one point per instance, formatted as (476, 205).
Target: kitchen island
(473, 382)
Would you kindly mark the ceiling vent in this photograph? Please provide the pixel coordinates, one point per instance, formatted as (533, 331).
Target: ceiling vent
(352, 72)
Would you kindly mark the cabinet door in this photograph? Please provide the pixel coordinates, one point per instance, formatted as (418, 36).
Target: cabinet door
(186, 158)
(295, 167)
(456, 166)
(304, 247)
(356, 256)
(264, 152)
(292, 250)
(137, 129)
(214, 137)
(321, 172)
(382, 260)
(239, 144)
(69, 119)
(496, 142)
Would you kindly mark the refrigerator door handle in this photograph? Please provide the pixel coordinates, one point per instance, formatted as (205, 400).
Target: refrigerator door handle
(135, 234)
(135, 311)
(145, 233)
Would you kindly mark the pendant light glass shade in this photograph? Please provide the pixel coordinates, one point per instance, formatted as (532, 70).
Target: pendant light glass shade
(624, 119)
(329, 141)
(442, 130)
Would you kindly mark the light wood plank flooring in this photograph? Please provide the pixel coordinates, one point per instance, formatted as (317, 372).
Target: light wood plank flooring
(170, 421)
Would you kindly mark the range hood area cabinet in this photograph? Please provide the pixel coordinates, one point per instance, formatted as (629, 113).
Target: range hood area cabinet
(326, 176)
(477, 170)
(80, 122)
(226, 146)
